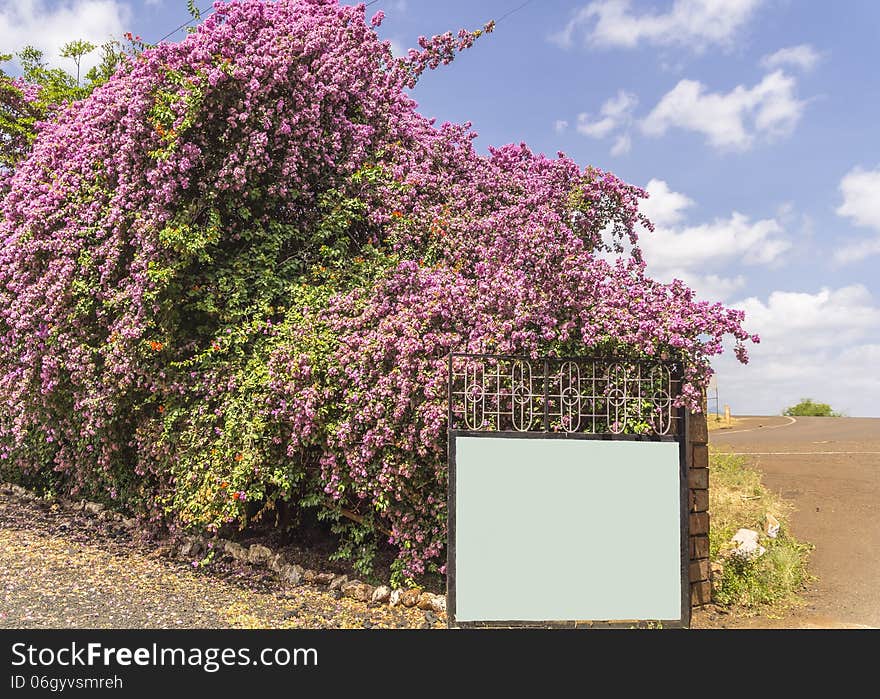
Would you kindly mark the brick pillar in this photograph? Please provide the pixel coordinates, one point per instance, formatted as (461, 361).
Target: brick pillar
(698, 506)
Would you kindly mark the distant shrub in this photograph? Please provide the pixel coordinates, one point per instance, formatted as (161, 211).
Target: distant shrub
(807, 408)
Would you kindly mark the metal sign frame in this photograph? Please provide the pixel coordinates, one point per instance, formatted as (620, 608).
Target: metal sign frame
(679, 434)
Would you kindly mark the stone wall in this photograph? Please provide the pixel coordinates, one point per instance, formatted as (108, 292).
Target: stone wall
(698, 509)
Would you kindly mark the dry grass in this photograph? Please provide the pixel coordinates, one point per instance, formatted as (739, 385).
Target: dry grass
(717, 422)
(738, 499)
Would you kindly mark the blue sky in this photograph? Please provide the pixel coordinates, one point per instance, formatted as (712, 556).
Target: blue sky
(751, 122)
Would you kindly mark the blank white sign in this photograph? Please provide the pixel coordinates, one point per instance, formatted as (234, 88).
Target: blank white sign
(566, 530)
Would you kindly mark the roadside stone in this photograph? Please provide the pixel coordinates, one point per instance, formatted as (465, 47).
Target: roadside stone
(309, 576)
(187, 549)
(357, 590)
(259, 554)
(237, 551)
(291, 573)
(22, 493)
(410, 598)
(277, 563)
(338, 581)
(324, 578)
(430, 617)
(394, 598)
(439, 604)
(93, 508)
(199, 547)
(381, 594)
(426, 601)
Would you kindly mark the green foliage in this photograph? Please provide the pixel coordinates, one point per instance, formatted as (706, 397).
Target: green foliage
(41, 91)
(194, 11)
(776, 577)
(76, 50)
(808, 408)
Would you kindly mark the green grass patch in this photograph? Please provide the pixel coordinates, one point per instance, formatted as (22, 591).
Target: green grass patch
(738, 499)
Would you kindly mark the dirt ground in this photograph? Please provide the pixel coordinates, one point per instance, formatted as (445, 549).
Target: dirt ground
(60, 569)
(829, 468)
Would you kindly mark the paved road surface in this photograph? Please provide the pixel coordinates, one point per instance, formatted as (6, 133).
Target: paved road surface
(830, 469)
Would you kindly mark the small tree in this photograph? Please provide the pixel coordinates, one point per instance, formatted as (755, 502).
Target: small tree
(76, 50)
(41, 91)
(808, 408)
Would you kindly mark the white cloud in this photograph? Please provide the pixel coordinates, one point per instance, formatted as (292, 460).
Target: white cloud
(857, 250)
(664, 207)
(694, 24)
(49, 26)
(560, 126)
(397, 48)
(732, 120)
(697, 252)
(708, 287)
(819, 345)
(622, 145)
(597, 129)
(861, 197)
(706, 256)
(828, 318)
(803, 56)
(861, 204)
(614, 113)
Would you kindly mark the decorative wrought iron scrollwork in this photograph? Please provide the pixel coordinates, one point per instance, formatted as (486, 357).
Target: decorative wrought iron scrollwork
(585, 395)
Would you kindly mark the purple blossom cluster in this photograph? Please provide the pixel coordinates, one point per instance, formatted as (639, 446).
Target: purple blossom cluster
(179, 328)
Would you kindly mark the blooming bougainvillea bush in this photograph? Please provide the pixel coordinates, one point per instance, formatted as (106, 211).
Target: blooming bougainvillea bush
(231, 276)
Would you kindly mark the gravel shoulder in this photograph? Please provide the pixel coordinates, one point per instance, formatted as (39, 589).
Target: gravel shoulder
(60, 569)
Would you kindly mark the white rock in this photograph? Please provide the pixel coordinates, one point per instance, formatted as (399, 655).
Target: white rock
(381, 594)
(772, 526)
(394, 598)
(747, 546)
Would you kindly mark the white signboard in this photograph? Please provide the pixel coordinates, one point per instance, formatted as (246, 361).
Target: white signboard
(546, 530)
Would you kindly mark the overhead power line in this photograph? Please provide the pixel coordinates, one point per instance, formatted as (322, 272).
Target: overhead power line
(372, 2)
(513, 11)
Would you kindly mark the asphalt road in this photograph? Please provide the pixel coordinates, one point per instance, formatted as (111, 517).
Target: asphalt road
(829, 468)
